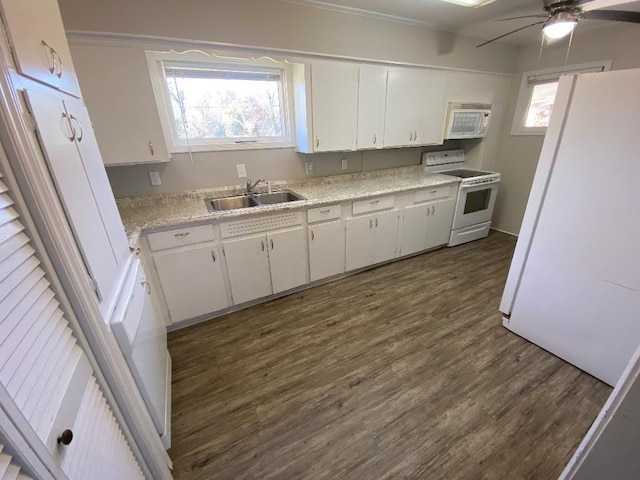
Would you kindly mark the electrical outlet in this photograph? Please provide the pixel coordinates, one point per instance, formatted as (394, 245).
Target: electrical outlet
(308, 168)
(155, 178)
(242, 171)
(344, 163)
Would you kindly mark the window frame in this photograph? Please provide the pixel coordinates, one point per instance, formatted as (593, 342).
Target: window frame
(156, 63)
(526, 91)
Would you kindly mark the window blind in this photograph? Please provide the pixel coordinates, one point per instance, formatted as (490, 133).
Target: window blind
(178, 70)
(539, 79)
(45, 371)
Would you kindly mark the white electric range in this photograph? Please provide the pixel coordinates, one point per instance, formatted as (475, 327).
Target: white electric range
(476, 195)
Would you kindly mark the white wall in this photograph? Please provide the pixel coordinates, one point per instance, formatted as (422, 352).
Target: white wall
(274, 25)
(517, 156)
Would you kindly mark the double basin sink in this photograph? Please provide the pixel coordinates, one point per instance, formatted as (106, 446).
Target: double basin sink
(251, 200)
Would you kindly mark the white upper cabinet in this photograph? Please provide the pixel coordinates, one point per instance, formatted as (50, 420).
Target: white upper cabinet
(416, 107)
(326, 106)
(431, 104)
(372, 93)
(117, 90)
(39, 43)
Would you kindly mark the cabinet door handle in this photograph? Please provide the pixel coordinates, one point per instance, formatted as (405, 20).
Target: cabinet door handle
(313, 236)
(410, 136)
(213, 255)
(48, 51)
(415, 136)
(262, 243)
(72, 135)
(317, 142)
(433, 210)
(370, 223)
(375, 139)
(272, 244)
(181, 235)
(376, 223)
(77, 122)
(428, 211)
(151, 148)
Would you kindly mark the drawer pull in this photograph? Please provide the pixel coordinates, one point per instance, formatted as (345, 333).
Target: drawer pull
(181, 235)
(325, 211)
(433, 191)
(373, 202)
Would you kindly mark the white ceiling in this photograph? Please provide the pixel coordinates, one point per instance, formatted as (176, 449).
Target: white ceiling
(475, 22)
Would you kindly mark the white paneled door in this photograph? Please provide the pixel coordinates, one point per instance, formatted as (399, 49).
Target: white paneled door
(43, 369)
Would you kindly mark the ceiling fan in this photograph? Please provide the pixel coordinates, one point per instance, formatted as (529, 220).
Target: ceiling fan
(561, 17)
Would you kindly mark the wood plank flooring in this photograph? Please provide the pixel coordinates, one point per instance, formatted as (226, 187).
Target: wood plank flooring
(403, 371)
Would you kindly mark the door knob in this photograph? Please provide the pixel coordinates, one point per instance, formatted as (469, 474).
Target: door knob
(66, 437)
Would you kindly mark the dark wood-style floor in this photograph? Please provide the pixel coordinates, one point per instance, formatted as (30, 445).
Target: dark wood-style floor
(403, 371)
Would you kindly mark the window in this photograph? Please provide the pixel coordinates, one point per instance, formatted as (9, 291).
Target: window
(220, 104)
(538, 93)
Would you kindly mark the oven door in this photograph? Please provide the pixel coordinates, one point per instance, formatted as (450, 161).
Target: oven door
(475, 204)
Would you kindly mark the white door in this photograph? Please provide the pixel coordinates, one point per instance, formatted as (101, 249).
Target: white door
(402, 87)
(385, 236)
(579, 294)
(334, 95)
(432, 108)
(192, 281)
(326, 249)
(439, 223)
(372, 93)
(287, 259)
(75, 190)
(359, 241)
(113, 78)
(39, 42)
(414, 229)
(248, 267)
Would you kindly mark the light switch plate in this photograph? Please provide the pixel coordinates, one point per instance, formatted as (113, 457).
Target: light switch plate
(242, 171)
(155, 178)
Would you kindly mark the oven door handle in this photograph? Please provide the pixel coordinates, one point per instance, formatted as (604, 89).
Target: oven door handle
(484, 184)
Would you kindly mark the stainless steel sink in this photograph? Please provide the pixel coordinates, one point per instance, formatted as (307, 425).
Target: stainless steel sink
(230, 203)
(252, 200)
(283, 196)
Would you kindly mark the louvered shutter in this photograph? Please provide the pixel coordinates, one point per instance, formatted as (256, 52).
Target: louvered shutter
(44, 370)
(8, 469)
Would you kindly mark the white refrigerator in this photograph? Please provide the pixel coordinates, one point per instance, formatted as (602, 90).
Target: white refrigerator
(574, 283)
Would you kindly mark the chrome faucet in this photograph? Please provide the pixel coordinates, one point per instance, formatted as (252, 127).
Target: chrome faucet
(251, 186)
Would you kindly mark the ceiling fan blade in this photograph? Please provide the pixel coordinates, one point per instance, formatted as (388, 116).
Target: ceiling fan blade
(588, 5)
(512, 31)
(613, 15)
(524, 16)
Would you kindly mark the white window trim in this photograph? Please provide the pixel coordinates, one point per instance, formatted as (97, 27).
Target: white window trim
(524, 95)
(161, 92)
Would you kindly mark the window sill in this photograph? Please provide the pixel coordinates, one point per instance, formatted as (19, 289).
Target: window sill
(529, 132)
(230, 147)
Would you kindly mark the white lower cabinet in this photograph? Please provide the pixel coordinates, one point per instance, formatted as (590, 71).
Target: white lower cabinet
(371, 239)
(261, 265)
(192, 281)
(426, 226)
(326, 250)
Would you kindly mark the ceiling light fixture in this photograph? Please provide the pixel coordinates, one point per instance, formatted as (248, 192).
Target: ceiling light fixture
(470, 3)
(560, 25)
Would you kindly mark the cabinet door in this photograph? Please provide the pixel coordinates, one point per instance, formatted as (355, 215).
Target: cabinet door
(414, 229)
(359, 240)
(432, 106)
(248, 268)
(287, 259)
(335, 105)
(192, 281)
(385, 236)
(75, 191)
(326, 250)
(97, 175)
(372, 93)
(399, 125)
(39, 43)
(439, 223)
(117, 90)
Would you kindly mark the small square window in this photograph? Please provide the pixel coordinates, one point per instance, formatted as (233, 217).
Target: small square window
(541, 104)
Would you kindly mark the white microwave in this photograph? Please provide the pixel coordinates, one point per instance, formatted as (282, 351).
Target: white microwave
(467, 120)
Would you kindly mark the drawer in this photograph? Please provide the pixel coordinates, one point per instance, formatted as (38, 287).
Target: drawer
(180, 237)
(373, 204)
(433, 193)
(328, 212)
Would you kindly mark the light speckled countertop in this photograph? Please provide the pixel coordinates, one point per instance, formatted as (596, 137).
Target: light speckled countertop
(159, 211)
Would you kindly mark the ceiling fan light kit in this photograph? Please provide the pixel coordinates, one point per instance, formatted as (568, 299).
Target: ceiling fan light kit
(470, 3)
(560, 25)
